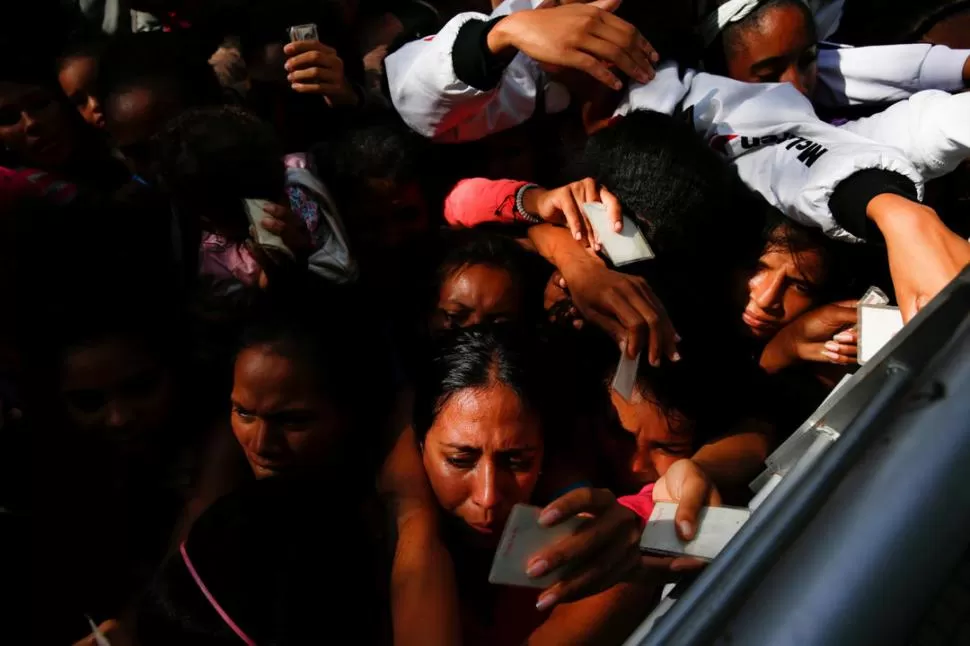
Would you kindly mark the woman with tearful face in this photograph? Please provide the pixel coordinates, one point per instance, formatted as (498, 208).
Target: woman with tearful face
(486, 427)
(790, 310)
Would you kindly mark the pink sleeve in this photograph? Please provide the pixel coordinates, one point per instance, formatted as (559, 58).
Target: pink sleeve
(641, 504)
(481, 201)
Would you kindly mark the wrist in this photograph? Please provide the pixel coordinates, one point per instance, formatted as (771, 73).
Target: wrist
(346, 97)
(780, 352)
(894, 213)
(966, 73)
(532, 196)
(499, 39)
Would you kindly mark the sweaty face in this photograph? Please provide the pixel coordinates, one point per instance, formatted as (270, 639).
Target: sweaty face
(117, 391)
(482, 455)
(779, 48)
(476, 294)
(783, 286)
(34, 126)
(77, 78)
(281, 420)
(657, 439)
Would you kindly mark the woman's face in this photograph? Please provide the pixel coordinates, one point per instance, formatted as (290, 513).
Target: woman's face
(483, 455)
(34, 125)
(659, 438)
(77, 78)
(279, 416)
(118, 391)
(779, 48)
(783, 286)
(476, 294)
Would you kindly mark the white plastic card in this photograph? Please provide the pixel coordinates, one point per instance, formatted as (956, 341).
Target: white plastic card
(878, 324)
(623, 248)
(256, 211)
(625, 379)
(715, 527)
(521, 539)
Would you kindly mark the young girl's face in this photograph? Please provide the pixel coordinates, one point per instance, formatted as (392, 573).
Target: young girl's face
(77, 78)
(779, 48)
(281, 420)
(476, 294)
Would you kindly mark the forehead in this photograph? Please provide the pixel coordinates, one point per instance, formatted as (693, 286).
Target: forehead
(805, 264)
(780, 27)
(490, 418)
(81, 65)
(138, 112)
(105, 362)
(477, 280)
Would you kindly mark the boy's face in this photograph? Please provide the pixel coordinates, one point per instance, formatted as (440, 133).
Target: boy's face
(780, 48)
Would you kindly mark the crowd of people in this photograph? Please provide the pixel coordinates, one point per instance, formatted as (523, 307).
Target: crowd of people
(315, 308)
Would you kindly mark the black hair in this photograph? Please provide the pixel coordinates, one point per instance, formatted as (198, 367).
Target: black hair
(378, 146)
(889, 22)
(174, 63)
(728, 40)
(287, 561)
(464, 248)
(481, 356)
(216, 156)
(705, 227)
(685, 198)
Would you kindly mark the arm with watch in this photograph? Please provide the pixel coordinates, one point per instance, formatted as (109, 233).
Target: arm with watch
(477, 201)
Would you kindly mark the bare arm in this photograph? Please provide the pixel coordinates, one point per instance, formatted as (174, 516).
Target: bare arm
(424, 594)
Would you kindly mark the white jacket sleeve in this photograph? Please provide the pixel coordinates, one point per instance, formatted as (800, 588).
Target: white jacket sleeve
(931, 128)
(431, 98)
(779, 146)
(886, 73)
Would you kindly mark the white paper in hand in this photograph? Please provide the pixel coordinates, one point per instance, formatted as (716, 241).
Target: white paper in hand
(256, 211)
(715, 527)
(625, 379)
(304, 32)
(521, 539)
(878, 324)
(629, 245)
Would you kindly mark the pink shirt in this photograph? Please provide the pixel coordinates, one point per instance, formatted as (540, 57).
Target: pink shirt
(478, 201)
(641, 504)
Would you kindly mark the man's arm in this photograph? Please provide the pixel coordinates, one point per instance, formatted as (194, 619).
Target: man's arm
(888, 73)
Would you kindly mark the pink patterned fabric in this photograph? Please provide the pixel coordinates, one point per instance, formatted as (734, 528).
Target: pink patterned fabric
(221, 258)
